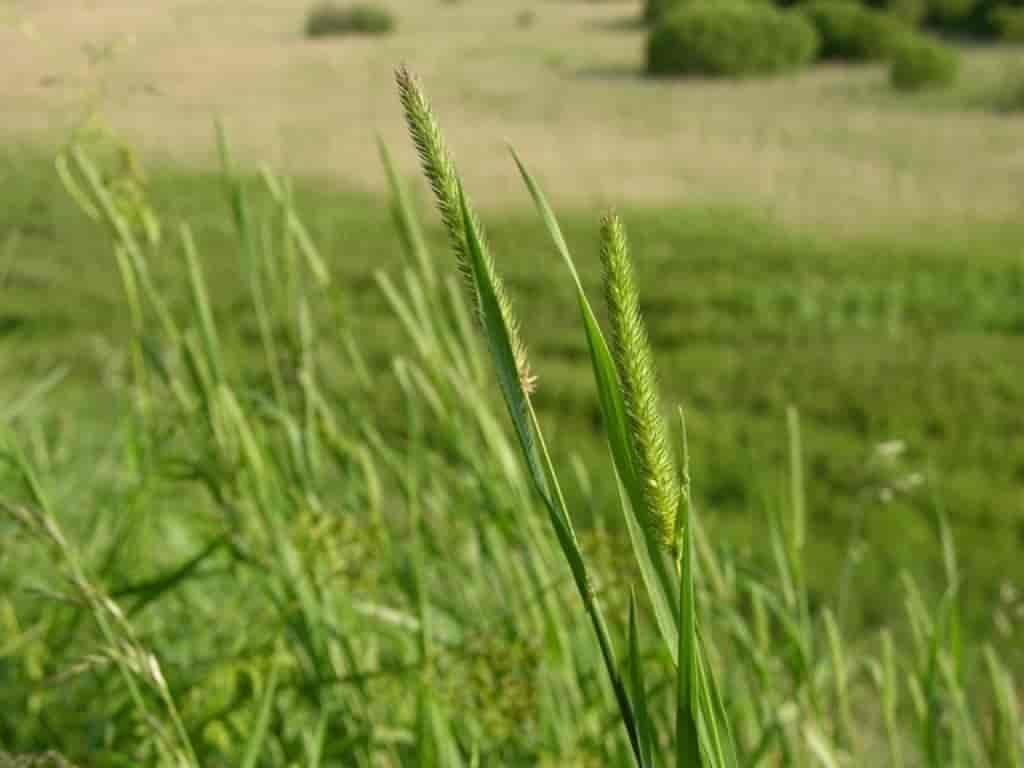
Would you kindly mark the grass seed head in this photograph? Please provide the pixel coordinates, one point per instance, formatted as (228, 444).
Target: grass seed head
(632, 352)
(440, 171)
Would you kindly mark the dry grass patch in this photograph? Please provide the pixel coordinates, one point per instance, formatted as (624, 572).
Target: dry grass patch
(567, 90)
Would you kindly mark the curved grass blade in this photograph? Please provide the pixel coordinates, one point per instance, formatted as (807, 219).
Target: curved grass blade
(718, 747)
(258, 734)
(405, 219)
(535, 452)
(645, 727)
(688, 754)
(499, 341)
(613, 411)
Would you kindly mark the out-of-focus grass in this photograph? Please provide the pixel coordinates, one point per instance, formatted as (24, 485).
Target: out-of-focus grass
(874, 339)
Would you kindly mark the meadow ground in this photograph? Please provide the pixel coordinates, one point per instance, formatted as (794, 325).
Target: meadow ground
(560, 80)
(815, 240)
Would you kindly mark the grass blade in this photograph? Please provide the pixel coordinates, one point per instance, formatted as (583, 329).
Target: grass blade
(497, 334)
(688, 754)
(613, 411)
(405, 220)
(638, 689)
(254, 745)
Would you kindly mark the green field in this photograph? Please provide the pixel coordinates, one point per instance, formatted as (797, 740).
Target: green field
(872, 339)
(297, 483)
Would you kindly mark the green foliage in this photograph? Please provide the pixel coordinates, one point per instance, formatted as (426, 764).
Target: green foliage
(1009, 94)
(854, 32)
(329, 19)
(1008, 23)
(649, 488)
(911, 12)
(656, 10)
(952, 14)
(923, 63)
(235, 535)
(980, 20)
(730, 39)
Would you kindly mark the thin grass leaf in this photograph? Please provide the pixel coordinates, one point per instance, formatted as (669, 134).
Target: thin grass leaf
(296, 228)
(820, 748)
(1007, 736)
(406, 222)
(234, 190)
(125, 238)
(717, 742)
(255, 743)
(34, 393)
(651, 574)
(499, 341)
(314, 742)
(844, 730)
(201, 305)
(531, 441)
(688, 748)
(74, 189)
(574, 556)
(796, 483)
(660, 587)
(410, 322)
(969, 730)
(644, 725)
(890, 701)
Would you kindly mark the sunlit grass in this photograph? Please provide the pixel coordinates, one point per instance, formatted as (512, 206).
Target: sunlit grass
(266, 537)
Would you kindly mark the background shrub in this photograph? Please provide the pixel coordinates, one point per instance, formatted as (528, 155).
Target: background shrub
(951, 14)
(656, 10)
(328, 19)
(1014, 95)
(854, 32)
(1010, 95)
(1008, 23)
(730, 39)
(923, 63)
(911, 12)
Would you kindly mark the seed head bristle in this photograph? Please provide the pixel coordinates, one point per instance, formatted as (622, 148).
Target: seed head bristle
(439, 168)
(632, 352)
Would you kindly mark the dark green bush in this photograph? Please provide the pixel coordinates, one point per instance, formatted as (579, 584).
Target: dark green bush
(1010, 95)
(975, 19)
(911, 12)
(853, 32)
(923, 63)
(728, 38)
(655, 10)
(1013, 100)
(954, 15)
(1008, 23)
(328, 19)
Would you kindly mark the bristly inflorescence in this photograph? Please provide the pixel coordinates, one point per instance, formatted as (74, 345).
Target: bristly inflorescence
(632, 352)
(444, 181)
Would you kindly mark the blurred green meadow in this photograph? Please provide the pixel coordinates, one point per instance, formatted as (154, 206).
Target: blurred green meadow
(874, 339)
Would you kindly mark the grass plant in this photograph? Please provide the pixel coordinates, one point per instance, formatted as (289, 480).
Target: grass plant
(281, 544)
